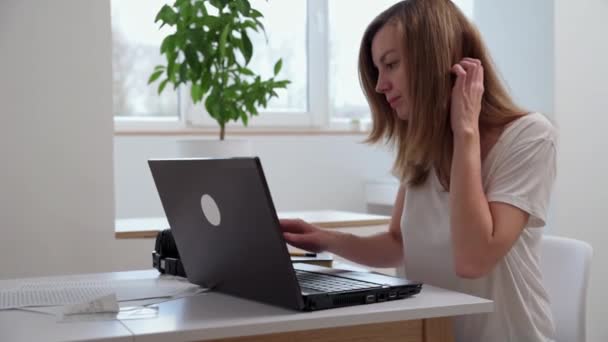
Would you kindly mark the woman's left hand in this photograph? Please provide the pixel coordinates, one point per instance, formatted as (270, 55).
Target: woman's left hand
(466, 96)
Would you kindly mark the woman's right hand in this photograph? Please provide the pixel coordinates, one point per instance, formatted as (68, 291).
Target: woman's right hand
(303, 235)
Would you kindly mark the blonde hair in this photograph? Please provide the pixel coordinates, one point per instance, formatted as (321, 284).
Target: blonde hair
(436, 35)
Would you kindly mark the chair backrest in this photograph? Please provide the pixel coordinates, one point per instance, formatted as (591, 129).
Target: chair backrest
(565, 264)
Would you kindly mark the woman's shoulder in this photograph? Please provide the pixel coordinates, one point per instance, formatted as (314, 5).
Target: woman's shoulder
(531, 127)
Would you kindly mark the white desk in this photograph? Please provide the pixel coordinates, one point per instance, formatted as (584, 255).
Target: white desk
(213, 316)
(17, 325)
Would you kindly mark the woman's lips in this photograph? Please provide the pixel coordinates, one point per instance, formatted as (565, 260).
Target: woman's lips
(393, 101)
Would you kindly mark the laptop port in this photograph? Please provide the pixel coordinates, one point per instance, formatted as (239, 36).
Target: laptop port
(403, 294)
(392, 295)
(370, 299)
(382, 297)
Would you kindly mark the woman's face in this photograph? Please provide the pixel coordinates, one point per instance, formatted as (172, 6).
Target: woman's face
(386, 54)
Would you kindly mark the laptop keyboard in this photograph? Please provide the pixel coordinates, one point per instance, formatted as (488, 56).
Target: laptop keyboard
(327, 283)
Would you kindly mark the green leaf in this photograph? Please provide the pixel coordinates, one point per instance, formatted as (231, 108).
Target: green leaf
(159, 67)
(168, 44)
(250, 24)
(155, 76)
(180, 3)
(217, 4)
(247, 47)
(213, 104)
(255, 13)
(243, 6)
(212, 22)
(162, 85)
(246, 71)
(250, 107)
(183, 72)
(277, 66)
(231, 58)
(192, 59)
(167, 15)
(180, 39)
(281, 84)
(244, 118)
(171, 70)
(210, 105)
(185, 11)
(230, 93)
(223, 38)
(206, 82)
(196, 92)
(200, 5)
(260, 25)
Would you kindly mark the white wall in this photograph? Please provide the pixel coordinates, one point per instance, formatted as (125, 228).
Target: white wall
(519, 35)
(56, 179)
(581, 105)
(303, 172)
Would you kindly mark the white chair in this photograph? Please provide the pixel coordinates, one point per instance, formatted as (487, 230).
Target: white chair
(565, 264)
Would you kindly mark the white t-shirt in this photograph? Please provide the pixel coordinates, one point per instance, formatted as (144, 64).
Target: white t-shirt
(519, 170)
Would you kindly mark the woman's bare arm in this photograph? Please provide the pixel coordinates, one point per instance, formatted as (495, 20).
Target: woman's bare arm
(380, 250)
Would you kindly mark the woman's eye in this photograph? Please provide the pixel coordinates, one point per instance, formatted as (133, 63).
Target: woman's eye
(391, 65)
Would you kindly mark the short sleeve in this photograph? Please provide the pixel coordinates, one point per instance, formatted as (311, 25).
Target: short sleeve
(524, 178)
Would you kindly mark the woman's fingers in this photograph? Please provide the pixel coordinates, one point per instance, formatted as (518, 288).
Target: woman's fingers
(473, 60)
(307, 242)
(461, 76)
(470, 68)
(294, 225)
(474, 72)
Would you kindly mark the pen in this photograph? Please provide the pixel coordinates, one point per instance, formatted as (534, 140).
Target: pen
(303, 254)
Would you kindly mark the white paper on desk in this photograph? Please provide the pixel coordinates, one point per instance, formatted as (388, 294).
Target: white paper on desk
(102, 304)
(132, 309)
(60, 292)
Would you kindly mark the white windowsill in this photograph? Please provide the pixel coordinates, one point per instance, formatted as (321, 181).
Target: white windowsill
(251, 131)
(174, 127)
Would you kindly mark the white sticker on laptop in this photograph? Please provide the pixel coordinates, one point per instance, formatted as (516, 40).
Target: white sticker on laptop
(210, 210)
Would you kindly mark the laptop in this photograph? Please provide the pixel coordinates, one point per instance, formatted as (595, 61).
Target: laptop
(229, 239)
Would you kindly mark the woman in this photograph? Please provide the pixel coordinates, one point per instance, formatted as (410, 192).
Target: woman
(476, 171)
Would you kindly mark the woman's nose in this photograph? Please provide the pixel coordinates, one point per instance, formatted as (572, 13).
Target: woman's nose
(382, 85)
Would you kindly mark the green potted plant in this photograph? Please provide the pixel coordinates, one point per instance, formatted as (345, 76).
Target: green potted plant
(209, 52)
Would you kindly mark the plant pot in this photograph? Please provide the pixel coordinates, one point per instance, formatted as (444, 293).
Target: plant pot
(207, 148)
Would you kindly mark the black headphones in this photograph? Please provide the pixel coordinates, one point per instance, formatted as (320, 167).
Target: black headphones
(165, 257)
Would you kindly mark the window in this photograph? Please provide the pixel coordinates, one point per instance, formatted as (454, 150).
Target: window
(287, 40)
(345, 32)
(317, 39)
(135, 52)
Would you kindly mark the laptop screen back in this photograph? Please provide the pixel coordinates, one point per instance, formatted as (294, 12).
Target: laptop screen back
(226, 228)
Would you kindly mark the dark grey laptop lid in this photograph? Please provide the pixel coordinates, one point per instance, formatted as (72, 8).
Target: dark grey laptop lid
(225, 226)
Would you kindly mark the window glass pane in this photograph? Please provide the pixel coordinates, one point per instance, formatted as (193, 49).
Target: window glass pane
(135, 52)
(346, 26)
(285, 24)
